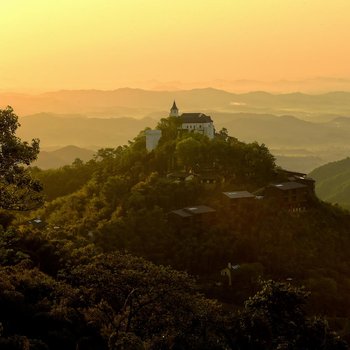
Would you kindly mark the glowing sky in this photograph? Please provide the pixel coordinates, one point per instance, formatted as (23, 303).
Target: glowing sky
(106, 44)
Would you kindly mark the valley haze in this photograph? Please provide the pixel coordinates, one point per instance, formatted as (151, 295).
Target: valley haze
(302, 130)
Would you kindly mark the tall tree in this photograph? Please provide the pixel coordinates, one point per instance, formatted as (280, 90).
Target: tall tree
(18, 191)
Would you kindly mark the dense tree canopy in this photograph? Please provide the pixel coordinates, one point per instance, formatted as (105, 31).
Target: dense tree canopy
(75, 283)
(60, 294)
(18, 191)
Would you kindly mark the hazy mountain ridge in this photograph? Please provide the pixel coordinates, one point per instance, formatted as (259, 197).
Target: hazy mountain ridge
(93, 119)
(297, 144)
(91, 133)
(333, 182)
(138, 102)
(289, 131)
(312, 85)
(321, 142)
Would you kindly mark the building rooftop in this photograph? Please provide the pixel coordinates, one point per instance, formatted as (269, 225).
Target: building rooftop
(195, 210)
(182, 213)
(291, 173)
(300, 178)
(239, 194)
(199, 209)
(288, 185)
(195, 118)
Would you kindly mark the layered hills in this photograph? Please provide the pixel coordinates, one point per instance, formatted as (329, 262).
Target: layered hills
(333, 182)
(302, 130)
(140, 103)
(297, 144)
(62, 156)
(56, 131)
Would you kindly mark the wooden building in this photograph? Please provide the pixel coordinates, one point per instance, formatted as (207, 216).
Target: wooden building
(196, 216)
(290, 195)
(239, 200)
(302, 178)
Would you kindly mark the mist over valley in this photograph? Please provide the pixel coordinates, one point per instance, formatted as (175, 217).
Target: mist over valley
(303, 131)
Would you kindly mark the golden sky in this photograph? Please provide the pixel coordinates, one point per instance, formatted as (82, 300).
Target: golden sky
(106, 44)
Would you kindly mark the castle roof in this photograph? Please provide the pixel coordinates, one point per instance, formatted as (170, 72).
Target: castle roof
(195, 118)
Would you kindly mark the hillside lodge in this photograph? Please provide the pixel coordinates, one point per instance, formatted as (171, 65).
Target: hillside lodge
(294, 196)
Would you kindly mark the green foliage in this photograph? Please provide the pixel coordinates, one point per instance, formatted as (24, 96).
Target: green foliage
(18, 191)
(65, 180)
(117, 301)
(169, 128)
(109, 300)
(233, 160)
(120, 201)
(123, 198)
(188, 152)
(274, 318)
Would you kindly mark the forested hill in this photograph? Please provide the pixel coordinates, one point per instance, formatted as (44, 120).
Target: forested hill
(87, 270)
(120, 201)
(333, 182)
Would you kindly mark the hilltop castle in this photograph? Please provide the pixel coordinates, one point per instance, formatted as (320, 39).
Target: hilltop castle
(194, 122)
(191, 122)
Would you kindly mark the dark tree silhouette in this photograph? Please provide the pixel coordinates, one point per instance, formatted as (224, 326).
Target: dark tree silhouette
(18, 191)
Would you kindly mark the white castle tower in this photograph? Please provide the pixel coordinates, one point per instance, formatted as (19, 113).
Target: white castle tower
(174, 111)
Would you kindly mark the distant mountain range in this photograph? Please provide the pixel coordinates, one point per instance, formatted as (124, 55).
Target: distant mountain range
(333, 182)
(91, 119)
(55, 131)
(297, 144)
(275, 131)
(288, 131)
(139, 103)
(313, 85)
